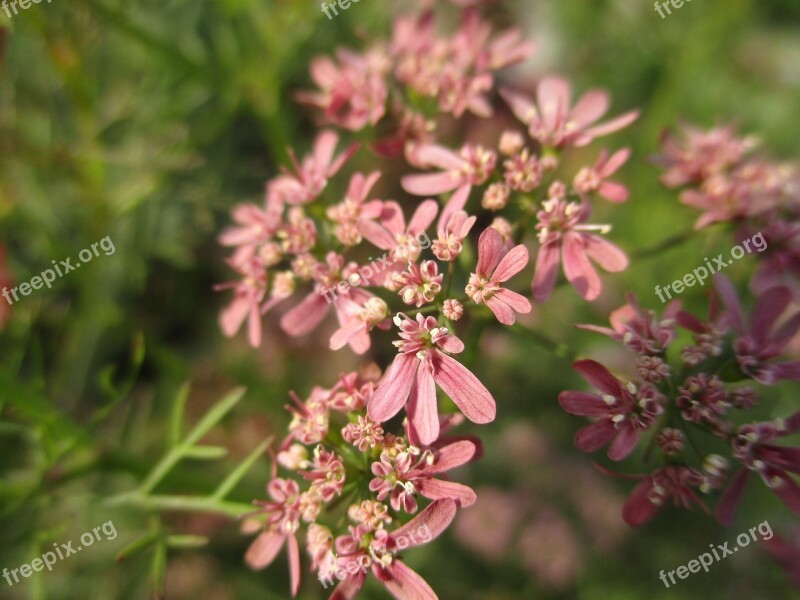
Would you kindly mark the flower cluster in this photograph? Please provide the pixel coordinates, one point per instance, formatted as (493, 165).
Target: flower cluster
(341, 464)
(723, 176)
(676, 399)
(329, 240)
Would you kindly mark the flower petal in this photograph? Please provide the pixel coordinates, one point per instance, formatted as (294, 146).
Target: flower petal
(263, 550)
(437, 489)
(638, 509)
(729, 501)
(294, 564)
(469, 394)
(490, 251)
(577, 267)
(593, 437)
(422, 408)
(544, 277)
(304, 317)
(583, 404)
(430, 184)
(605, 254)
(406, 584)
(511, 264)
(394, 388)
(423, 216)
(600, 377)
(451, 456)
(624, 443)
(436, 517)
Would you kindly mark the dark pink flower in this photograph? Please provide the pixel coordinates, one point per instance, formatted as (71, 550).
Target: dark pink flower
(553, 122)
(647, 498)
(565, 237)
(496, 265)
(761, 341)
(623, 411)
(419, 366)
(643, 331)
(753, 448)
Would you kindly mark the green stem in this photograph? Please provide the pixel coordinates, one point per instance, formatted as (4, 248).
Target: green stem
(556, 348)
(670, 242)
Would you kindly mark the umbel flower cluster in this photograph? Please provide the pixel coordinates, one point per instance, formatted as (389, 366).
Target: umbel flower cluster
(689, 403)
(324, 241)
(424, 223)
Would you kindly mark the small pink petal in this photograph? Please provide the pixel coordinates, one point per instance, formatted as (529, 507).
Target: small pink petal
(263, 550)
(605, 254)
(615, 162)
(456, 203)
(452, 344)
(544, 278)
(590, 107)
(469, 394)
(437, 517)
(522, 107)
(436, 489)
(377, 234)
(423, 216)
(608, 127)
(422, 409)
(511, 264)
(729, 501)
(578, 269)
(502, 311)
(516, 301)
(406, 584)
(394, 388)
(490, 251)
(430, 184)
(614, 192)
(769, 307)
(451, 456)
(294, 564)
(304, 317)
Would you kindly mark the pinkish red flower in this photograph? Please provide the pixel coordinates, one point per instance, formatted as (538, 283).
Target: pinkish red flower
(249, 293)
(553, 122)
(358, 314)
(420, 284)
(761, 341)
(623, 411)
(419, 366)
(565, 237)
(675, 482)
(472, 165)
(753, 448)
(496, 265)
(402, 242)
(595, 179)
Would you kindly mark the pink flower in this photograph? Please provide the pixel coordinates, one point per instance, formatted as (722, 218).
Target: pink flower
(623, 411)
(392, 572)
(352, 94)
(565, 237)
(249, 293)
(283, 520)
(496, 265)
(420, 284)
(354, 210)
(594, 179)
(643, 331)
(255, 226)
(357, 316)
(472, 165)
(757, 344)
(752, 447)
(419, 366)
(650, 495)
(552, 122)
(311, 176)
(452, 309)
(400, 476)
(453, 226)
(391, 234)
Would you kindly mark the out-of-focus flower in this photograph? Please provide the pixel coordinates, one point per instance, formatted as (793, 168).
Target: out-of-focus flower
(354, 210)
(595, 179)
(554, 123)
(472, 165)
(353, 93)
(453, 226)
(565, 237)
(757, 344)
(496, 265)
(416, 370)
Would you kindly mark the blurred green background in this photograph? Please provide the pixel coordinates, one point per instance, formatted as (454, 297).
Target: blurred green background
(147, 121)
